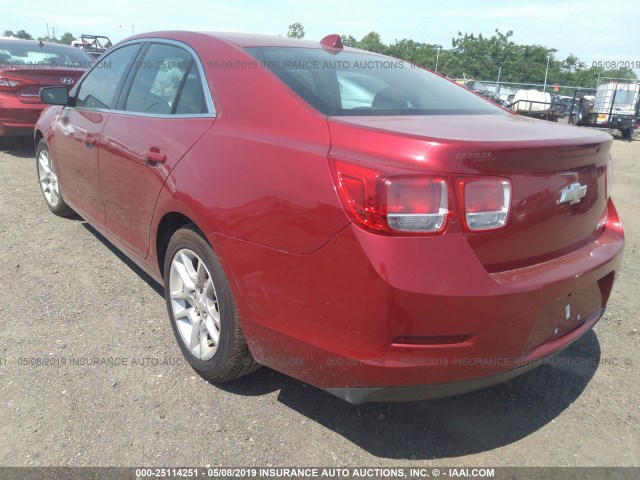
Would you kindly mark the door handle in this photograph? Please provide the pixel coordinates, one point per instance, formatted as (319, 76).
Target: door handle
(90, 141)
(156, 157)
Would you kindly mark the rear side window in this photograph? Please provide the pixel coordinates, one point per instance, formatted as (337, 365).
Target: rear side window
(163, 73)
(358, 83)
(191, 97)
(98, 90)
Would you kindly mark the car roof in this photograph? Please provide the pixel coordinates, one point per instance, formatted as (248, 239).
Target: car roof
(21, 41)
(236, 38)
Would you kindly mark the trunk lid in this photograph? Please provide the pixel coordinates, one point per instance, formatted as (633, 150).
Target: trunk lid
(33, 78)
(541, 159)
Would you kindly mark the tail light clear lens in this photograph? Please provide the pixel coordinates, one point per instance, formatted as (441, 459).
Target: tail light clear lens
(485, 201)
(416, 204)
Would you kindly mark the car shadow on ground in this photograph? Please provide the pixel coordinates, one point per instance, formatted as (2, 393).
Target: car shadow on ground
(447, 427)
(159, 289)
(21, 147)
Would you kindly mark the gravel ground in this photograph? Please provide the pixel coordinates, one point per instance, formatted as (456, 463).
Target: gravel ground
(66, 293)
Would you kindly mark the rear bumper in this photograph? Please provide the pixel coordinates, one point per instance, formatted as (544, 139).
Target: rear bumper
(17, 118)
(12, 130)
(427, 392)
(618, 121)
(370, 317)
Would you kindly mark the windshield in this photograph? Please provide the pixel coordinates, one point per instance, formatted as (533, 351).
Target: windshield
(33, 54)
(357, 83)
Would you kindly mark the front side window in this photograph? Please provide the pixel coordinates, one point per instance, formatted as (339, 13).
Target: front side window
(161, 73)
(358, 83)
(99, 89)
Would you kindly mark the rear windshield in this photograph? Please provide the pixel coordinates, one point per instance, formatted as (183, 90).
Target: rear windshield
(356, 83)
(18, 54)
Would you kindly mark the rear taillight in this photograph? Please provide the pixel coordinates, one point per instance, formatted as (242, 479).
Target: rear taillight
(485, 201)
(9, 84)
(608, 185)
(608, 175)
(603, 218)
(390, 201)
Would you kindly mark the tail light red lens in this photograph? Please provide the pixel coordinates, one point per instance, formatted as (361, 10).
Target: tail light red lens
(485, 201)
(358, 187)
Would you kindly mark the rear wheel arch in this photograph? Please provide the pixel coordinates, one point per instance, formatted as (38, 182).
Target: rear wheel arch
(37, 137)
(170, 223)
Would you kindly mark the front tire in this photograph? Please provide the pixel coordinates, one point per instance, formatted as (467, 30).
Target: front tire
(202, 309)
(48, 179)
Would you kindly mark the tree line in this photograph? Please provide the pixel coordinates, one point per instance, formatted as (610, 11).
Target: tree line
(66, 38)
(470, 56)
(486, 58)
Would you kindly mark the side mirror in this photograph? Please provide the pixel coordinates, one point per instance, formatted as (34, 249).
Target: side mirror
(55, 95)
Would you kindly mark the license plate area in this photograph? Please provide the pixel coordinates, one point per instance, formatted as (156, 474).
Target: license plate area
(564, 314)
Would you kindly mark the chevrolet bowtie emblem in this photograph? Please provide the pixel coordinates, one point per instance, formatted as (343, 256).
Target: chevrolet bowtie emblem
(573, 193)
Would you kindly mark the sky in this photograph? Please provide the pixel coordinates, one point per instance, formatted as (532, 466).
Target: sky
(593, 30)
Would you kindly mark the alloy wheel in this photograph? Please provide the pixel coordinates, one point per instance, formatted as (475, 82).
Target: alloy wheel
(48, 178)
(194, 304)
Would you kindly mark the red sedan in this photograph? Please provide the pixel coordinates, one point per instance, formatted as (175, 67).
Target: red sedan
(25, 67)
(346, 218)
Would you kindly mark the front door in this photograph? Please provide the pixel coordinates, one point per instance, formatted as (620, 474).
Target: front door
(78, 131)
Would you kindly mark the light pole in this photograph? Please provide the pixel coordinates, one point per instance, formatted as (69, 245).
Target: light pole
(437, 58)
(546, 73)
(133, 28)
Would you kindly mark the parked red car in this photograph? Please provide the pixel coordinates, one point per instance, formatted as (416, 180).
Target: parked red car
(25, 67)
(346, 218)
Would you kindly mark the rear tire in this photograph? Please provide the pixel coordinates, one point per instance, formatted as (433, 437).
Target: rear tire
(627, 133)
(202, 309)
(48, 180)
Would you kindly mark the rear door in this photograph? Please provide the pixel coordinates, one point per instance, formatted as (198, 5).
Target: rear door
(165, 108)
(78, 131)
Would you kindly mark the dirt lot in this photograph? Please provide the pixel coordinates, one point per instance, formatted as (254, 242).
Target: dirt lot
(65, 293)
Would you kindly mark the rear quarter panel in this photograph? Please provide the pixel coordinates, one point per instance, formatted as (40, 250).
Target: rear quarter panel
(260, 174)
